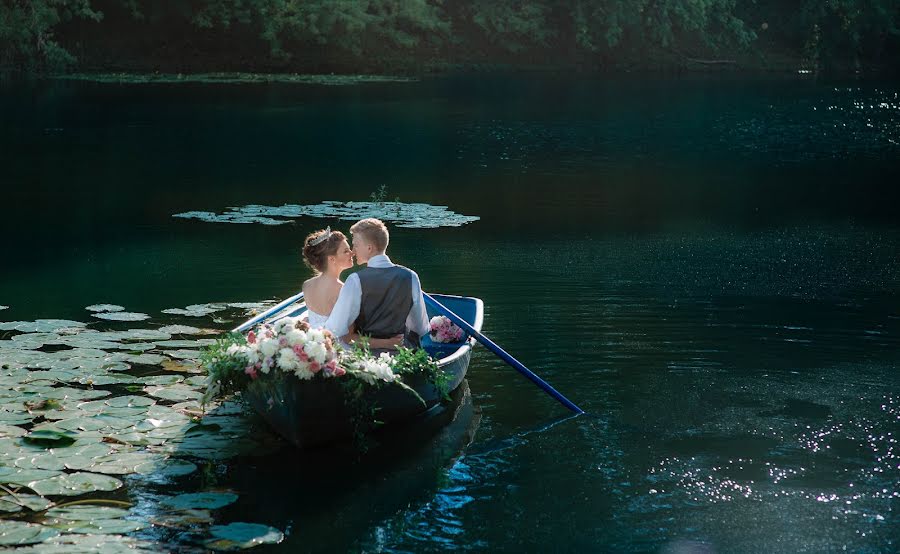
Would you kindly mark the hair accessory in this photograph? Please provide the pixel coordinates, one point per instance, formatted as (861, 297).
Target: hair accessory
(321, 238)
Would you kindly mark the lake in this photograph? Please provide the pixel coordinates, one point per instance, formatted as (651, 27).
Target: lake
(707, 265)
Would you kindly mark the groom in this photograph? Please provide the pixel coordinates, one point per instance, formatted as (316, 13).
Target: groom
(382, 299)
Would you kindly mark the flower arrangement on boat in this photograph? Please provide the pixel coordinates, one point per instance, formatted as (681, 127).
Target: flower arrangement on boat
(290, 346)
(444, 330)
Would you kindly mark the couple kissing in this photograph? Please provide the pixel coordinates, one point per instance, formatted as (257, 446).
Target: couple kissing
(382, 302)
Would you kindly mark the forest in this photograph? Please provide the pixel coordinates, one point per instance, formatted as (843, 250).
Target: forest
(414, 36)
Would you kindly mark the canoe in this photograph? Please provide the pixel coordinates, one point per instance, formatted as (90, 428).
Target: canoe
(311, 413)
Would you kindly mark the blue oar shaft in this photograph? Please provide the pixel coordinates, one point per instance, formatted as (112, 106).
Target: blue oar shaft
(273, 310)
(503, 355)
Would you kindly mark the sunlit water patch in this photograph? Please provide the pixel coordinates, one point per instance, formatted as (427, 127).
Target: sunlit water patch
(402, 214)
(851, 121)
(89, 417)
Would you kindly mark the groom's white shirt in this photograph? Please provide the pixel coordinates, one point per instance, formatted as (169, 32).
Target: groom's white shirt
(346, 310)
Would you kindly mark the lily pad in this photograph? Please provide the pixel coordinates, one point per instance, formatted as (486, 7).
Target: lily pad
(181, 330)
(86, 512)
(128, 401)
(182, 366)
(177, 393)
(15, 503)
(45, 325)
(16, 476)
(204, 500)
(239, 536)
(184, 343)
(98, 526)
(11, 431)
(105, 308)
(184, 354)
(122, 316)
(166, 468)
(19, 533)
(74, 484)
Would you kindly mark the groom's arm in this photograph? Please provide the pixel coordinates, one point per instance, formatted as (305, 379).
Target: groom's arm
(417, 320)
(346, 309)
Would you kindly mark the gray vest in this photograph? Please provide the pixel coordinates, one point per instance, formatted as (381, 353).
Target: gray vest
(385, 303)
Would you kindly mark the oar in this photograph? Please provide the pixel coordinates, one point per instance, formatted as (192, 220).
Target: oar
(502, 354)
(274, 309)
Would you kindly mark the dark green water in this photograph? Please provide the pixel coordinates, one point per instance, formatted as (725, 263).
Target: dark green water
(708, 267)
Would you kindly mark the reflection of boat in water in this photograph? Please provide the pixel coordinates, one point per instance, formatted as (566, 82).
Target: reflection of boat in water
(332, 495)
(313, 412)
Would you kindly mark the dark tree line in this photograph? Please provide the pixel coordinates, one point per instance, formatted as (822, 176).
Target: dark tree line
(250, 35)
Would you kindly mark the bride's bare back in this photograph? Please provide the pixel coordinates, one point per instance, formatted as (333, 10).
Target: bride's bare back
(321, 293)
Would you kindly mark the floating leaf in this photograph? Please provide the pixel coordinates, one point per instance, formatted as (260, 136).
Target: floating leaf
(11, 503)
(17, 476)
(47, 404)
(184, 343)
(166, 468)
(122, 316)
(49, 438)
(19, 533)
(74, 484)
(205, 500)
(105, 308)
(184, 354)
(181, 330)
(86, 512)
(98, 526)
(11, 431)
(177, 393)
(185, 367)
(128, 402)
(238, 536)
(43, 325)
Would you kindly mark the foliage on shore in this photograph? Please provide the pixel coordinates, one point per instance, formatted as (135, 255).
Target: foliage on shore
(377, 35)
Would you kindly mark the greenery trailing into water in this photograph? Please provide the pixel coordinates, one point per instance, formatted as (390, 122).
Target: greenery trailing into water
(321, 35)
(290, 349)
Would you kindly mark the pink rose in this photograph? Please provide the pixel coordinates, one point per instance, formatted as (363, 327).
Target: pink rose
(251, 371)
(314, 366)
(251, 337)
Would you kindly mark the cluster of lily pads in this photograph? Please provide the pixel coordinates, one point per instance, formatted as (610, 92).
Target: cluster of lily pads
(85, 413)
(401, 214)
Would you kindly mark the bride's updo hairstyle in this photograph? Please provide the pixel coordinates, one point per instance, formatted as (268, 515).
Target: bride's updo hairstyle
(318, 246)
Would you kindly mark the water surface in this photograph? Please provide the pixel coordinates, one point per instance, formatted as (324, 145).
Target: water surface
(707, 266)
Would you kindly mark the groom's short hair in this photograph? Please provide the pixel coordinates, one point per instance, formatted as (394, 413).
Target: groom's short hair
(374, 231)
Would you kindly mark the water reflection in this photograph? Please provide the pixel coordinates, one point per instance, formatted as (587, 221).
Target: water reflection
(332, 498)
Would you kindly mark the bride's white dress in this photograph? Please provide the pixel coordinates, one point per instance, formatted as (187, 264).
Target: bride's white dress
(314, 319)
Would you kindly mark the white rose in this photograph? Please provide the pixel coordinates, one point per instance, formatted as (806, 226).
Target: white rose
(268, 347)
(380, 370)
(236, 350)
(287, 360)
(302, 370)
(253, 354)
(295, 336)
(316, 351)
(284, 324)
(316, 335)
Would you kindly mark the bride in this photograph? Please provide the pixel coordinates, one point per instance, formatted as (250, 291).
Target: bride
(328, 253)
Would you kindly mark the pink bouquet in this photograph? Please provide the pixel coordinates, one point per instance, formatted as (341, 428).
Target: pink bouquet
(443, 330)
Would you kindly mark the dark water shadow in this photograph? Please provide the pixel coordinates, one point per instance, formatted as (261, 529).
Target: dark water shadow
(332, 496)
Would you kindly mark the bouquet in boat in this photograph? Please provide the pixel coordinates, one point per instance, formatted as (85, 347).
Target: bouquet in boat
(444, 330)
(290, 346)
